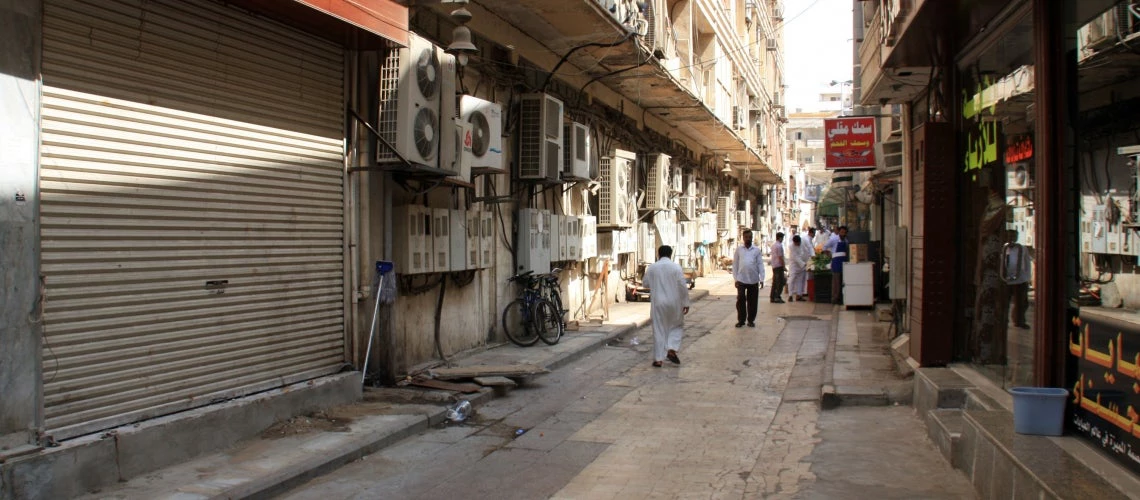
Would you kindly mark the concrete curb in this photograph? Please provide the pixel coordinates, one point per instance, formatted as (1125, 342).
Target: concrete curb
(284, 480)
(829, 397)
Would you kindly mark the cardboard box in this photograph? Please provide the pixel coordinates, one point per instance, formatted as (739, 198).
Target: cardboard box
(858, 252)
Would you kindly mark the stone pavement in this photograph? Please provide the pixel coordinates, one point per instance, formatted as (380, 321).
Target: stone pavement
(739, 418)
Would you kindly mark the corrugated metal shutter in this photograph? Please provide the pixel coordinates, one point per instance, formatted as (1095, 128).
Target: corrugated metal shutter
(185, 142)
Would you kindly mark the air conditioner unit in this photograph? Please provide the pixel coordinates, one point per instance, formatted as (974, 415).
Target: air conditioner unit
(540, 138)
(441, 240)
(576, 163)
(455, 152)
(657, 190)
(742, 218)
(777, 99)
(486, 119)
(557, 226)
(688, 208)
(589, 231)
(533, 252)
(771, 44)
(1017, 176)
(890, 154)
(411, 246)
(614, 207)
(658, 30)
(748, 213)
(458, 255)
(450, 142)
(486, 239)
(684, 243)
(724, 214)
(778, 13)
(739, 115)
(473, 228)
(410, 80)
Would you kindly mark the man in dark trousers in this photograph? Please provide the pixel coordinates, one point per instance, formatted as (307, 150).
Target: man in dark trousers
(779, 276)
(748, 271)
(838, 248)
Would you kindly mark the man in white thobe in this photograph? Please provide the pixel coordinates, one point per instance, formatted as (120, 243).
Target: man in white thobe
(668, 305)
(799, 255)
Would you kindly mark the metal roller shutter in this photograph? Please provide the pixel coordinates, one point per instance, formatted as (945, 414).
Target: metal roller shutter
(185, 144)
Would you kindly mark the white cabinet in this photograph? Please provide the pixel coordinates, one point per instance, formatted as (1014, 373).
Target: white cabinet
(858, 284)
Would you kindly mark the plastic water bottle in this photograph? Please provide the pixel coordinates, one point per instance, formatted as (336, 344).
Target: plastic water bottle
(634, 341)
(461, 411)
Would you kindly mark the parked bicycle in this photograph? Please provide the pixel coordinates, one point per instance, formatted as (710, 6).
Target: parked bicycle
(551, 290)
(531, 318)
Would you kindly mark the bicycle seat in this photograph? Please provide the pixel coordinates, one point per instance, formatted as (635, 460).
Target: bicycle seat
(521, 276)
(555, 271)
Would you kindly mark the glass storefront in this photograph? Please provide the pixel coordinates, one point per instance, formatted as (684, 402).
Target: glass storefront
(1102, 351)
(997, 253)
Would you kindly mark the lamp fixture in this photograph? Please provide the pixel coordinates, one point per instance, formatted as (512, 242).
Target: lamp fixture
(727, 170)
(461, 46)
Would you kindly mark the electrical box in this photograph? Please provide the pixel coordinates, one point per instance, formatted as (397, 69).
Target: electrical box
(646, 240)
(572, 238)
(589, 231)
(1099, 230)
(441, 239)
(473, 225)
(557, 227)
(486, 239)
(724, 214)
(411, 247)
(457, 220)
(742, 218)
(533, 252)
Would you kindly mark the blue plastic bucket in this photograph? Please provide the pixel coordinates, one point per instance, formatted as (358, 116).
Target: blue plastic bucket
(1039, 410)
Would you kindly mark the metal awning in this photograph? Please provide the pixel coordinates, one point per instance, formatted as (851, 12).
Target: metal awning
(629, 69)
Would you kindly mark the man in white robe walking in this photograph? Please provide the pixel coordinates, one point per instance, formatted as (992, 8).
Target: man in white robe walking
(668, 305)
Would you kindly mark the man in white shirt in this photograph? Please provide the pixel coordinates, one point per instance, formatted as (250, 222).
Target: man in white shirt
(668, 305)
(820, 239)
(748, 271)
(1016, 272)
(779, 272)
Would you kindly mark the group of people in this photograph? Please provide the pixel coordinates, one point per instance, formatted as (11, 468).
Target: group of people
(669, 300)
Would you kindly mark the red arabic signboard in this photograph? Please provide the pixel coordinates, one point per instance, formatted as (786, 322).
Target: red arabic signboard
(850, 143)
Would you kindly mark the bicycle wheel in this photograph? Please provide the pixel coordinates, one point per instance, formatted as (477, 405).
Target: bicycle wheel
(556, 299)
(517, 324)
(547, 322)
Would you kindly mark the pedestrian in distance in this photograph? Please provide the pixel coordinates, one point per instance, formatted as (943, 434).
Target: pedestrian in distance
(779, 272)
(748, 272)
(1016, 272)
(668, 305)
(799, 254)
(838, 249)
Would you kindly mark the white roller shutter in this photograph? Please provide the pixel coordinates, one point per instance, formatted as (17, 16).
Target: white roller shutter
(192, 217)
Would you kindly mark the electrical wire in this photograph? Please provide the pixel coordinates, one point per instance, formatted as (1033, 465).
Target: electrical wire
(571, 52)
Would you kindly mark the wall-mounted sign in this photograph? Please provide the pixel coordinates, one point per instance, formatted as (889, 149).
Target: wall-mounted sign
(1104, 378)
(850, 143)
(1018, 148)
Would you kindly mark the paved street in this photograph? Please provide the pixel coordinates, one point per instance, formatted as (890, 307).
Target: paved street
(739, 418)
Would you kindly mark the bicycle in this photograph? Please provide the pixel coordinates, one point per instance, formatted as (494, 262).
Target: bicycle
(531, 318)
(551, 290)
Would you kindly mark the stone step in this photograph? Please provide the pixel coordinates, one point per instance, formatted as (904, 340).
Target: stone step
(945, 427)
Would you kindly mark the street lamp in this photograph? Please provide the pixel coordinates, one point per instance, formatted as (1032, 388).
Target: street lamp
(461, 46)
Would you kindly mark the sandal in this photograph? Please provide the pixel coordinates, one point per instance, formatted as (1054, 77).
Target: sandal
(673, 357)
(657, 364)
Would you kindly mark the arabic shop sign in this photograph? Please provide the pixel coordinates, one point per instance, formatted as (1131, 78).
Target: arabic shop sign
(1105, 396)
(850, 143)
(1018, 149)
(980, 111)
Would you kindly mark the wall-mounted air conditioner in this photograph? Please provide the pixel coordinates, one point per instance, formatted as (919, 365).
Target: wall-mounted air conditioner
(533, 252)
(576, 163)
(658, 35)
(614, 207)
(486, 119)
(473, 227)
(724, 214)
(890, 154)
(441, 240)
(676, 181)
(540, 138)
(450, 141)
(688, 209)
(742, 218)
(1017, 176)
(657, 189)
(457, 220)
(410, 80)
(455, 150)
(778, 13)
(486, 239)
(411, 246)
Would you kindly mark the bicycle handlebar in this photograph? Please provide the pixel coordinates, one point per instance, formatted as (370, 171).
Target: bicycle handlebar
(520, 276)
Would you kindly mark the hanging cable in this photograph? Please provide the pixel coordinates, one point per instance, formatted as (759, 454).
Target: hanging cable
(571, 52)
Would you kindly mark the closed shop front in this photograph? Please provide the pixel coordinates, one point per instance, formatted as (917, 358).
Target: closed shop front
(192, 208)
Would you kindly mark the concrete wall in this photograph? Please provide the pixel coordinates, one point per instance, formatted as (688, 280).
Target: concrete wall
(20, 362)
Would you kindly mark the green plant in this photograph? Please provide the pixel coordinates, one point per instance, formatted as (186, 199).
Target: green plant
(821, 263)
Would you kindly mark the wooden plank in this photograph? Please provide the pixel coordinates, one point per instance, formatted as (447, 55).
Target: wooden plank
(465, 388)
(519, 370)
(496, 381)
